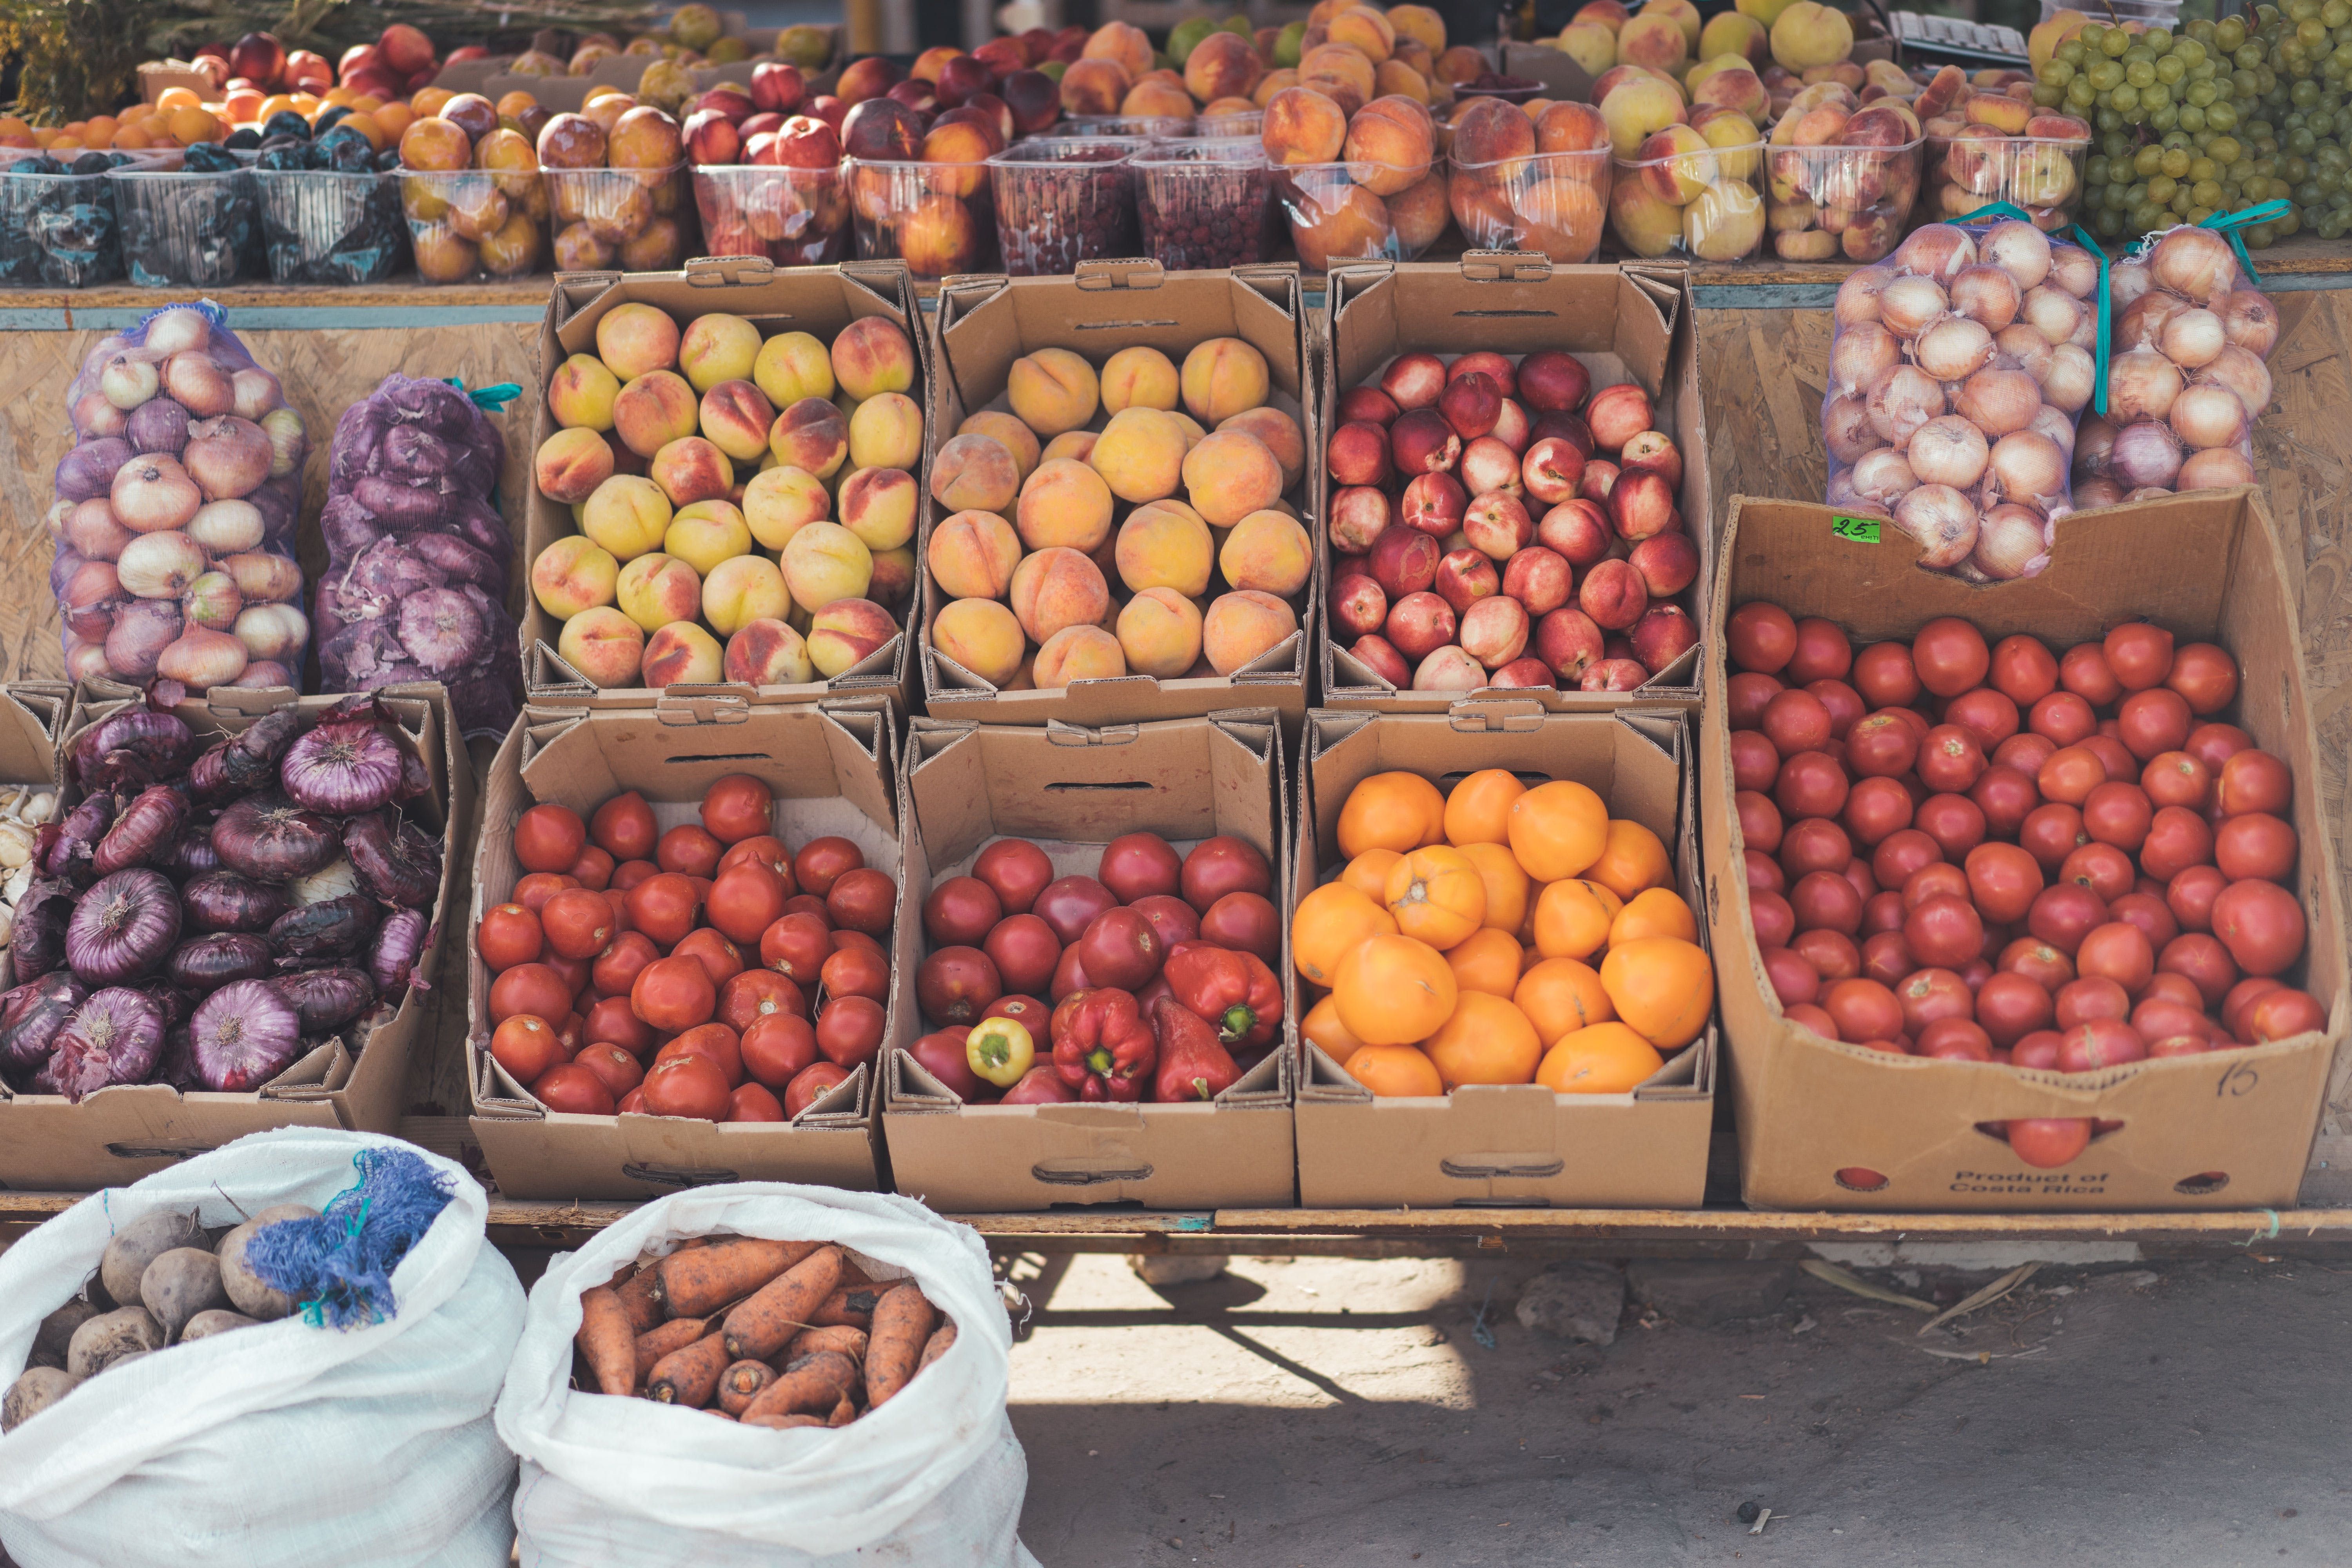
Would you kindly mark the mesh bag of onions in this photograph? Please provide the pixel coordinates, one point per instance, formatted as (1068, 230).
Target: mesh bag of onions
(415, 584)
(2186, 377)
(1958, 367)
(176, 510)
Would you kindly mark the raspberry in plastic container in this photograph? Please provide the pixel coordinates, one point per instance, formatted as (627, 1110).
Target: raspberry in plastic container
(1061, 200)
(1204, 203)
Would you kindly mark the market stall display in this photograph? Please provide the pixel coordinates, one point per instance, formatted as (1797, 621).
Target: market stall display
(472, 189)
(1521, 184)
(767, 176)
(1988, 142)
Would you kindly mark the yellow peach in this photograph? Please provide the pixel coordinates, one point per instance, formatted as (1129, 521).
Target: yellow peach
(1242, 626)
(627, 514)
(1016, 438)
(605, 645)
(1053, 390)
(1160, 633)
(982, 636)
(1140, 455)
(878, 505)
(1281, 434)
(971, 556)
(1230, 475)
(1078, 653)
(1141, 376)
(1065, 503)
(707, 533)
(1164, 544)
(790, 366)
(1059, 587)
(780, 501)
(975, 472)
(572, 574)
(1221, 378)
(1078, 446)
(654, 590)
(744, 589)
(1269, 552)
(683, 654)
(825, 562)
(886, 432)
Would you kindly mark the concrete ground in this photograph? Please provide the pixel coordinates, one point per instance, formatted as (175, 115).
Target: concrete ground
(1323, 1412)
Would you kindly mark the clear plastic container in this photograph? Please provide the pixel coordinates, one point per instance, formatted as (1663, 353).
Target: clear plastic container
(180, 228)
(1061, 200)
(937, 217)
(1205, 203)
(1346, 211)
(60, 230)
(1978, 166)
(795, 217)
(1213, 127)
(1705, 205)
(1557, 203)
(1827, 202)
(634, 219)
(1150, 126)
(319, 225)
(468, 224)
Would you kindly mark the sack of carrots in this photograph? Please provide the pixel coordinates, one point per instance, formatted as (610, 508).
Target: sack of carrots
(767, 1373)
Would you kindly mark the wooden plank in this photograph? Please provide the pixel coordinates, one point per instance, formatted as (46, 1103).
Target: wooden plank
(399, 292)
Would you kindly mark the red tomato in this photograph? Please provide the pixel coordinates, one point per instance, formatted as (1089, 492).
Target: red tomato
(614, 1068)
(629, 873)
(746, 900)
(2207, 676)
(853, 971)
(1138, 865)
(962, 911)
(526, 1046)
(822, 861)
(689, 849)
(1863, 1010)
(2254, 781)
(2177, 778)
(674, 993)
(2119, 813)
(1885, 676)
(717, 1041)
(2095, 996)
(2260, 923)
(1215, 868)
(533, 988)
(849, 1031)
(593, 868)
(1822, 652)
(533, 891)
(2011, 1007)
(754, 994)
(2098, 1043)
(1945, 929)
(612, 1021)
(753, 1103)
(2139, 654)
(624, 828)
(1247, 922)
(862, 900)
(2120, 952)
(737, 807)
(1957, 1041)
(1951, 656)
(2084, 670)
(761, 850)
(2070, 774)
(663, 908)
(689, 1084)
(1793, 980)
(2004, 881)
(508, 934)
(2283, 1013)
(811, 1083)
(1761, 637)
(634, 1102)
(2199, 958)
(2049, 1142)
(549, 838)
(796, 946)
(2215, 745)
(573, 1089)
(1831, 954)
(578, 924)
(777, 1047)
(2023, 670)
(618, 967)
(722, 959)
(2150, 724)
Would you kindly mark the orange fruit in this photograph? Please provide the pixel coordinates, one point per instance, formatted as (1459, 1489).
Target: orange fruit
(1393, 990)
(427, 100)
(1487, 959)
(1662, 986)
(1606, 1058)
(101, 128)
(1653, 911)
(244, 106)
(131, 138)
(1321, 1027)
(1631, 858)
(1479, 809)
(1560, 995)
(1392, 810)
(1436, 896)
(1328, 922)
(366, 126)
(276, 102)
(1369, 873)
(194, 125)
(1395, 1071)
(512, 104)
(1573, 918)
(338, 97)
(1487, 1040)
(173, 97)
(1557, 829)
(1507, 885)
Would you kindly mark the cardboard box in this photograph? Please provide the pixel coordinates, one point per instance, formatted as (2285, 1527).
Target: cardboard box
(1501, 1146)
(33, 716)
(1634, 323)
(1071, 791)
(986, 323)
(118, 1135)
(817, 299)
(833, 767)
(1824, 1125)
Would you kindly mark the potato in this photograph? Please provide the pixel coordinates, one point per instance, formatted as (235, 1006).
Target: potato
(180, 1284)
(111, 1336)
(39, 1388)
(56, 1332)
(219, 1321)
(246, 1292)
(127, 1359)
(138, 1244)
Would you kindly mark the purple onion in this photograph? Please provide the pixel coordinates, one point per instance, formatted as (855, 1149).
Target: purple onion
(230, 902)
(344, 768)
(382, 576)
(271, 839)
(115, 1037)
(31, 1017)
(37, 944)
(397, 507)
(453, 557)
(139, 746)
(395, 859)
(442, 629)
(208, 962)
(393, 956)
(417, 455)
(68, 852)
(331, 927)
(176, 1068)
(143, 630)
(145, 831)
(243, 1034)
(327, 999)
(89, 470)
(123, 927)
(159, 424)
(192, 854)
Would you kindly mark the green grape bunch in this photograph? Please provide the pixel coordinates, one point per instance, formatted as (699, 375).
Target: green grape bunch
(2218, 117)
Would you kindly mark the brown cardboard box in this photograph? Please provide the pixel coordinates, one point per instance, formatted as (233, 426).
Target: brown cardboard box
(986, 323)
(33, 716)
(120, 1134)
(1071, 791)
(832, 767)
(1562, 76)
(1818, 1118)
(1634, 323)
(817, 299)
(1491, 1146)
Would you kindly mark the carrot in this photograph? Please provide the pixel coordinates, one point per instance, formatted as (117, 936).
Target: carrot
(842, 1414)
(657, 1343)
(902, 1321)
(942, 1340)
(637, 1295)
(780, 1422)
(849, 1341)
(809, 1386)
(607, 1341)
(696, 1283)
(766, 1323)
(851, 1308)
(689, 1377)
(741, 1383)
(852, 1276)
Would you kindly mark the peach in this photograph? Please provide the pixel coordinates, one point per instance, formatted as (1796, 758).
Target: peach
(1461, 63)
(654, 410)
(1229, 476)
(627, 514)
(1065, 503)
(1094, 87)
(1811, 33)
(718, 347)
(1122, 42)
(1654, 40)
(1164, 544)
(780, 501)
(1140, 376)
(794, 366)
(1734, 138)
(1193, 430)
(1140, 453)
(974, 472)
(894, 577)
(682, 653)
(1160, 633)
(1008, 432)
(1395, 78)
(767, 653)
(654, 590)
(1078, 446)
(1491, 130)
(572, 574)
(871, 356)
(1636, 108)
(1364, 29)
(743, 589)
(886, 432)
(1726, 223)
(1243, 626)
(971, 556)
(1735, 87)
(690, 469)
(1223, 377)
(1083, 653)
(1563, 218)
(581, 393)
(571, 464)
(878, 505)
(1677, 164)
(1351, 68)
(1419, 23)
(1281, 434)
(825, 562)
(1059, 587)
(1154, 98)
(844, 632)
(811, 435)
(1730, 33)
(1335, 221)
(2007, 115)
(1644, 224)
(706, 532)
(1590, 45)
(605, 645)
(1271, 83)
(1222, 65)
(1052, 391)
(982, 636)
(1390, 145)
(1303, 126)
(1267, 551)
(736, 417)
(633, 340)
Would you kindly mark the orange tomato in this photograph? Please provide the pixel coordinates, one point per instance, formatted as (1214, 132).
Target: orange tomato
(1487, 1040)
(1631, 858)
(1573, 918)
(1653, 911)
(1557, 829)
(1560, 995)
(1662, 986)
(1507, 885)
(1486, 960)
(1606, 1058)
(1393, 990)
(1392, 810)
(1436, 896)
(1321, 1027)
(1395, 1071)
(1369, 873)
(1479, 809)
(1328, 923)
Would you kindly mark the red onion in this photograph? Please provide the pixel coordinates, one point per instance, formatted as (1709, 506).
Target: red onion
(192, 854)
(31, 1017)
(68, 851)
(327, 999)
(209, 962)
(113, 1037)
(271, 839)
(331, 927)
(393, 956)
(141, 634)
(138, 746)
(123, 927)
(396, 860)
(346, 768)
(2147, 454)
(243, 1034)
(224, 900)
(147, 828)
(248, 762)
(38, 945)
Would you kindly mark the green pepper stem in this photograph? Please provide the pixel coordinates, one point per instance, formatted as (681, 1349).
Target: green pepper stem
(1234, 1021)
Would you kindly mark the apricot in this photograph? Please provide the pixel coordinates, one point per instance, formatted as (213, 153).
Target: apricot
(974, 472)
(1141, 376)
(1267, 551)
(1242, 626)
(1053, 390)
(1230, 475)
(971, 556)
(1079, 653)
(1141, 454)
(1065, 503)
(980, 635)
(1013, 435)
(1303, 126)
(1160, 632)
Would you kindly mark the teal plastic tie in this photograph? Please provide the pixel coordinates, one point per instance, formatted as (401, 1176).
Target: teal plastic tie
(493, 398)
(2227, 226)
(2082, 236)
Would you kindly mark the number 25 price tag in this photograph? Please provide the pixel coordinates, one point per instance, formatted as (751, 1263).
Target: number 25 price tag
(1861, 530)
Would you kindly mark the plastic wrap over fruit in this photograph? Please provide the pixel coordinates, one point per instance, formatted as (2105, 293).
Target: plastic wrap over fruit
(174, 513)
(415, 586)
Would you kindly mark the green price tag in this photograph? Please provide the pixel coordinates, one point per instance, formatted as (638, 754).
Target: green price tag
(1861, 530)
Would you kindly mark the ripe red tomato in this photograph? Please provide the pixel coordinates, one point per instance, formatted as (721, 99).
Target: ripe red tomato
(746, 900)
(2022, 669)
(756, 994)
(751, 1102)
(533, 891)
(1950, 759)
(717, 1041)
(2148, 912)
(2005, 797)
(618, 967)
(1946, 931)
(796, 945)
(629, 873)
(1017, 871)
(961, 910)
(1880, 745)
(614, 1068)
(2084, 670)
(1902, 853)
(1950, 655)
(2039, 961)
(2046, 1142)
(855, 972)
(2120, 952)
(2254, 781)
(624, 828)
(1885, 676)
(2177, 778)
(508, 934)
(2098, 1043)
(1793, 980)
(1954, 821)
(777, 1047)
(1174, 920)
(612, 1021)
(2152, 722)
(1247, 922)
(2207, 676)
(1824, 900)
(719, 958)
(1937, 879)
(737, 807)
(2215, 745)
(1761, 637)
(674, 993)
(1822, 652)
(663, 908)
(2283, 1014)
(2260, 923)
(592, 870)
(1985, 713)
(1955, 1040)
(1875, 808)
(2011, 1007)
(1795, 720)
(688, 850)
(549, 838)
(1812, 783)
(2070, 774)
(689, 1084)
(849, 1031)
(763, 849)
(1831, 954)
(822, 861)
(1748, 694)
(1815, 843)
(1884, 958)
(2004, 880)
(578, 924)
(2102, 867)
(811, 1083)
(2038, 1050)
(526, 1046)
(533, 988)
(2118, 814)
(1759, 822)
(862, 899)
(2094, 997)
(2139, 654)
(1139, 865)
(1863, 1010)
(574, 1089)
(1220, 866)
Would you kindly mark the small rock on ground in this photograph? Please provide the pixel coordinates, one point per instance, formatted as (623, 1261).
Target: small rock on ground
(1574, 1301)
(1186, 1269)
(1702, 1293)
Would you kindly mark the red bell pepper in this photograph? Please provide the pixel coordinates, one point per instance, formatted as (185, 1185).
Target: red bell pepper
(1102, 1046)
(1193, 1065)
(1234, 991)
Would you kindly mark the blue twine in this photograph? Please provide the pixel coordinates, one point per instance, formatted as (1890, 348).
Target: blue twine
(337, 1267)
(492, 399)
